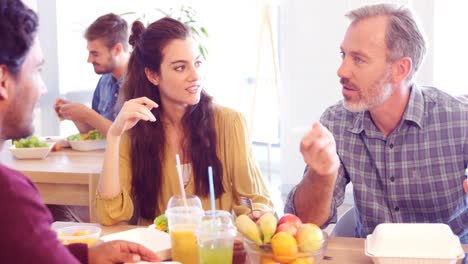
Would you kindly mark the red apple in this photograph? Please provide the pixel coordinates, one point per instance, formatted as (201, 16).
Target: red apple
(288, 228)
(290, 218)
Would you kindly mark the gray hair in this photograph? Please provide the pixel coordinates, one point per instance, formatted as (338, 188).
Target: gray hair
(403, 37)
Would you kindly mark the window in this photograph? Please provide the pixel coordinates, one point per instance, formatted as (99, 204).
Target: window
(449, 46)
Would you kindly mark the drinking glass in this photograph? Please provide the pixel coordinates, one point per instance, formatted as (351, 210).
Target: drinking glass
(183, 218)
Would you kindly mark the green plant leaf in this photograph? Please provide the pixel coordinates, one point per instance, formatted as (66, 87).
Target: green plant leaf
(185, 14)
(203, 30)
(195, 31)
(203, 51)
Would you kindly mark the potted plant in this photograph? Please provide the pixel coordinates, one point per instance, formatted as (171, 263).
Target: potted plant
(185, 14)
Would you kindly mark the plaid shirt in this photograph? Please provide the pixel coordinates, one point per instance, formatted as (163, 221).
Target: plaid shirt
(105, 96)
(415, 174)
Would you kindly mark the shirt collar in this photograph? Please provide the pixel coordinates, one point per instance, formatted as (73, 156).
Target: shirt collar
(415, 109)
(120, 80)
(414, 113)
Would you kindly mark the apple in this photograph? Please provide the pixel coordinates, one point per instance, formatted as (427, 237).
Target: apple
(288, 228)
(309, 237)
(290, 218)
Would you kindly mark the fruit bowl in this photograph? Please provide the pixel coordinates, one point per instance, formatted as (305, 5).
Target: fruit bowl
(32, 152)
(310, 253)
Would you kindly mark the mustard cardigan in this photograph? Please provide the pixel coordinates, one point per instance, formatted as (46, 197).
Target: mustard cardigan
(241, 174)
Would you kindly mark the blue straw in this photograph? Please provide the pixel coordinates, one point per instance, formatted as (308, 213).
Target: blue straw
(212, 196)
(213, 206)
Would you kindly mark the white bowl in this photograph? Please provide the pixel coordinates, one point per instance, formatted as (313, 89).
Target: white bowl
(86, 234)
(31, 153)
(413, 243)
(58, 139)
(87, 145)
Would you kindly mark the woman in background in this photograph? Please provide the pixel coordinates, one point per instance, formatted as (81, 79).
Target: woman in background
(168, 112)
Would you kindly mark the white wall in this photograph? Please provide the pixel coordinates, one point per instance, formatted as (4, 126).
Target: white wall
(49, 123)
(310, 38)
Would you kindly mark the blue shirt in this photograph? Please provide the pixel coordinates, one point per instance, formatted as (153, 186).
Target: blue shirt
(105, 96)
(415, 174)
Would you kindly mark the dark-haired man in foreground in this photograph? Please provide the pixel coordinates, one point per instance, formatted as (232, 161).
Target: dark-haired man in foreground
(25, 231)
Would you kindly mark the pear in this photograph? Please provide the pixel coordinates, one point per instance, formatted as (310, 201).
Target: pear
(267, 224)
(248, 228)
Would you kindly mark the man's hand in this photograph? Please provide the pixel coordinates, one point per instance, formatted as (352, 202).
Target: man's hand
(74, 111)
(313, 196)
(120, 252)
(318, 149)
(465, 185)
(58, 104)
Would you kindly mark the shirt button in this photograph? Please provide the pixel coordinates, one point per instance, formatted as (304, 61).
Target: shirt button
(397, 209)
(392, 179)
(391, 145)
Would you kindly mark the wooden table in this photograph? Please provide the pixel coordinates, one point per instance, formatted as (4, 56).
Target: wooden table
(65, 177)
(340, 249)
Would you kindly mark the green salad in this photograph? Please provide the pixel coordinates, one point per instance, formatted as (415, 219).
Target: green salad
(30, 142)
(91, 135)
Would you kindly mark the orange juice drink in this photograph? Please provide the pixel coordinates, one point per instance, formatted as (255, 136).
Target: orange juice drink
(184, 244)
(182, 222)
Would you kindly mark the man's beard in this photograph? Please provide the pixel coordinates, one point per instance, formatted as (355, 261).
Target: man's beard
(107, 68)
(17, 122)
(379, 91)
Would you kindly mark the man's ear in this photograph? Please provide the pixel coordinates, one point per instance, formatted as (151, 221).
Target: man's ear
(4, 82)
(117, 49)
(402, 68)
(152, 76)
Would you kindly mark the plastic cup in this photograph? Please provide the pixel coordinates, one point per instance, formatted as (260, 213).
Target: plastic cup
(182, 223)
(215, 236)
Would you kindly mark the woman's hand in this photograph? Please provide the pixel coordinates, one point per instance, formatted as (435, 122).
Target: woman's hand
(256, 214)
(132, 111)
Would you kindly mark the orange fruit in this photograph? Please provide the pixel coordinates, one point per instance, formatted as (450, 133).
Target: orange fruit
(284, 247)
(309, 260)
(56, 147)
(268, 260)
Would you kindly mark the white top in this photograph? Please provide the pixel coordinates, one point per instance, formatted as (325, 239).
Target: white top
(186, 171)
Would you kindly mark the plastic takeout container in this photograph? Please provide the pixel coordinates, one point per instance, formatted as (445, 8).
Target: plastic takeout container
(413, 243)
(87, 234)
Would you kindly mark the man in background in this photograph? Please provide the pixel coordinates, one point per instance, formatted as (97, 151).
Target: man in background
(404, 147)
(107, 39)
(26, 236)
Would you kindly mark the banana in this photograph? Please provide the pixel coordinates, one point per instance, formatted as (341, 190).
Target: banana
(248, 228)
(267, 224)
